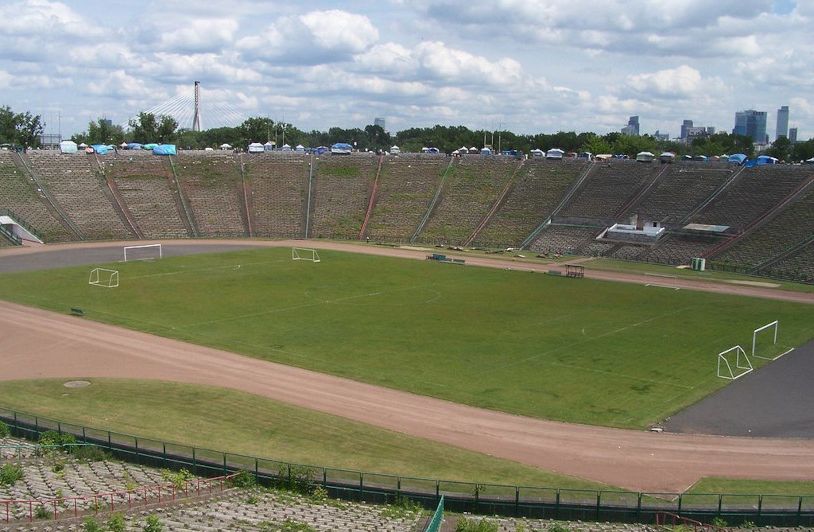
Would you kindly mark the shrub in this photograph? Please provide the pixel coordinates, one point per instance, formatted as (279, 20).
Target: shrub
(748, 524)
(177, 479)
(5, 432)
(10, 473)
(90, 453)
(401, 508)
(557, 527)
(299, 479)
(153, 524)
(116, 523)
(90, 525)
(42, 512)
(58, 467)
(289, 525)
(243, 479)
(52, 438)
(476, 525)
(719, 522)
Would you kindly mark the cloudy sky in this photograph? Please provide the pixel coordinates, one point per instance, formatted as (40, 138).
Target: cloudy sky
(524, 65)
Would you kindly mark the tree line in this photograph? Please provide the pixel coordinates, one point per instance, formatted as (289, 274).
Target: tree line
(24, 129)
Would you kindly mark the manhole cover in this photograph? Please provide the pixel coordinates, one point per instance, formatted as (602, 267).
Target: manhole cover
(76, 384)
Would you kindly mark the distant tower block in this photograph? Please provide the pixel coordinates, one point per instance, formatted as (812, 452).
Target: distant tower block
(196, 121)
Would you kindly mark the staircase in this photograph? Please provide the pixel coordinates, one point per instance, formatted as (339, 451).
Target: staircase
(372, 202)
(501, 199)
(433, 203)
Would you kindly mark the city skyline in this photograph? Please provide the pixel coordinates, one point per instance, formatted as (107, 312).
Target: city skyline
(524, 66)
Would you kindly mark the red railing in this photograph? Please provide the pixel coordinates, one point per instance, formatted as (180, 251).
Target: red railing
(141, 496)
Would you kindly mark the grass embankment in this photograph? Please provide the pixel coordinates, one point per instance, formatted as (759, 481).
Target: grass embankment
(240, 423)
(575, 350)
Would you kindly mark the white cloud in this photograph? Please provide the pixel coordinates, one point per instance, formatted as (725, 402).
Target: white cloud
(199, 35)
(680, 82)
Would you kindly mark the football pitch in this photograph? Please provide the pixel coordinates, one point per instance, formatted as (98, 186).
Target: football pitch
(573, 350)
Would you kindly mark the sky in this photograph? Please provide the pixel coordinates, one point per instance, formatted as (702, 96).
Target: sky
(521, 65)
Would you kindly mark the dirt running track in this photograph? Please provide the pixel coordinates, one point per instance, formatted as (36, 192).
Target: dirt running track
(40, 344)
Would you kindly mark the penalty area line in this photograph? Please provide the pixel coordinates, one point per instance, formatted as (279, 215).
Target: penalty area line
(662, 286)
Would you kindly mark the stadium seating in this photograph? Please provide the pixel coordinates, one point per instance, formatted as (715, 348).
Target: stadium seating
(678, 248)
(279, 184)
(144, 183)
(607, 188)
(755, 192)
(799, 266)
(76, 183)
(469, 191)
(682, 187)
(791, 225)
(563, 239)
(341, 189)
(538, 189)
(486, 202)
(213, 185)
(406, 187)
(20, 195)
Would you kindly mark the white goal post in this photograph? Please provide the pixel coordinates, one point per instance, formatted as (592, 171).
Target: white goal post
(104, 278)
(304, 254)
(759, 330)
(741, 363)
(143, 252)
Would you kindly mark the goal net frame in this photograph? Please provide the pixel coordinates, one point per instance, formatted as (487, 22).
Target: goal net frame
(307, 254)
(144, 246)
(724, 362)
(104, 277)
(776, 325)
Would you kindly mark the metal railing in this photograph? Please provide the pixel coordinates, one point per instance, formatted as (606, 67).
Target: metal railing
(480, 498)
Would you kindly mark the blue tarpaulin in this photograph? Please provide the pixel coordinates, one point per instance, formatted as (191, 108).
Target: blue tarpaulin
(134, 146)
(164, 149)
(101, 149)
(737, 158)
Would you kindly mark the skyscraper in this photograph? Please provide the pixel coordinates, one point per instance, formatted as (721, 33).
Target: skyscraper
(686, 125)
(751, 123)
(379, 122)
(793, 135)
(632, 127)
(782, 122)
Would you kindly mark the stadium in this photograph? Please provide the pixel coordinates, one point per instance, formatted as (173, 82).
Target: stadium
(523, 338)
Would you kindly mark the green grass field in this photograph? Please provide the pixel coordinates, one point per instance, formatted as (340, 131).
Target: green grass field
(226, 420)
(575, 350)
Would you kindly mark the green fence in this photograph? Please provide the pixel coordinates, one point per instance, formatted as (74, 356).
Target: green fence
(488, 499)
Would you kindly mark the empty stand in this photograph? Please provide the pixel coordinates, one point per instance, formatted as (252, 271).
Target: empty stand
(607, 188)
(470, 189)
(406, 187)
(213, 185)
(538, 189)
(682, 188)
(754, 193)
(20, 194)
(144, 182)
(679, 248)
(279, 184)
(563, 239)
(798, 266)
(341, 188)
(81, 191)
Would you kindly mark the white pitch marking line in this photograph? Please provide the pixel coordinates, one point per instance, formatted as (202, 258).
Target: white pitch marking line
(663, 286)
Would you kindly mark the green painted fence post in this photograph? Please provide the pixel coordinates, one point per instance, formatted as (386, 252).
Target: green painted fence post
(109, 442)
(557, 506)
(679, 503)
(194, 463)
(164, 454)
(598, 503)
(224, 464)
(516, 500)
(759, 508)
(639, 507)
(256, 469)
(361, 483)
(720, 503)
(800, 511)
(59, 428)
(84, 437)
(325, 477)
(437, 491)
(138, 455)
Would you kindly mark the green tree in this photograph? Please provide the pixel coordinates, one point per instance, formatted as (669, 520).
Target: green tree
(144, 129)
(780, 149)
(8, 126)
(257, 129)
(167, 127)
(802, 151)
(29, 129)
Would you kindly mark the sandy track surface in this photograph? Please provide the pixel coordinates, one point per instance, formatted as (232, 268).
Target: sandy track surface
(40, 344)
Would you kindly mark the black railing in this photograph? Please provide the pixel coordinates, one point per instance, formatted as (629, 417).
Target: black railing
(488, 499)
